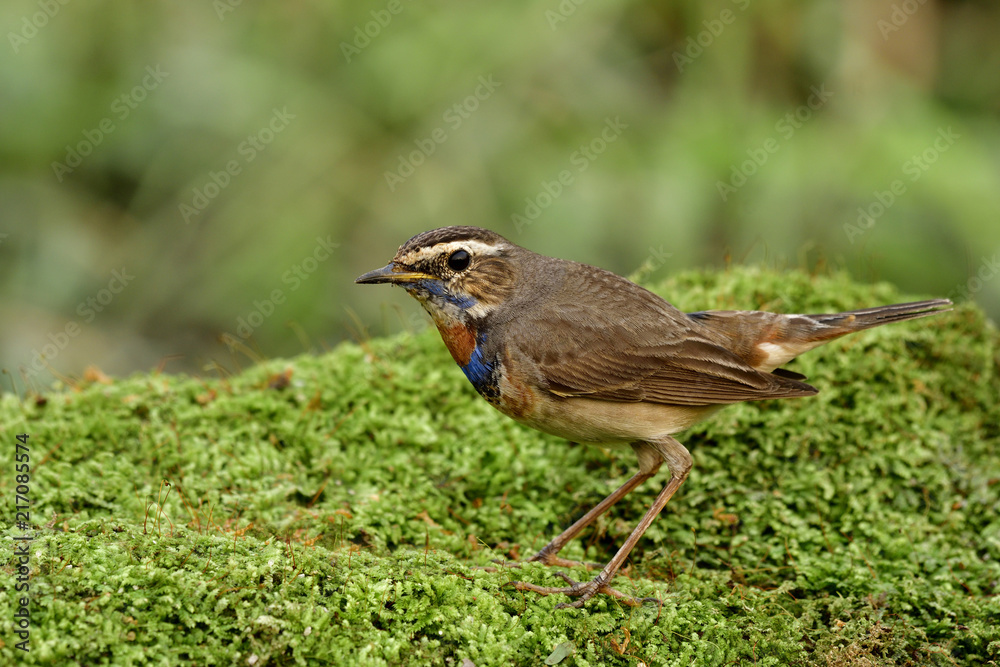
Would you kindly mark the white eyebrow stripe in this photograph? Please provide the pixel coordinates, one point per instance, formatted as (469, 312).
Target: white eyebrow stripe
(472, 247)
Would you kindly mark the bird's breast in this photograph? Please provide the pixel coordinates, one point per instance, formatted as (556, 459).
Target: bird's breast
(460, 341)
(517, 397)
(467, 349)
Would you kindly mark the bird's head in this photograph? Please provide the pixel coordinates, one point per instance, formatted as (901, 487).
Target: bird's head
(456, 273)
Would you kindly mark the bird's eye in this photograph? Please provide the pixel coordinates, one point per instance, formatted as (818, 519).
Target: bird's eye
(459, 260)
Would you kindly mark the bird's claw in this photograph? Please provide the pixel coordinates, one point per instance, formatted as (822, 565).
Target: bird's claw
(582, 591)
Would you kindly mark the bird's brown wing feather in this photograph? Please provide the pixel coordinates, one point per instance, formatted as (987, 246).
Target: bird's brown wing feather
(649, 352)
(689, 372)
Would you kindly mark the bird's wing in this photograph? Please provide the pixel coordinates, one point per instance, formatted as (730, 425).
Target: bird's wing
(616, 341)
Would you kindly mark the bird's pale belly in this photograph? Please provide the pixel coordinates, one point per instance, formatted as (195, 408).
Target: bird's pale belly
(595, 421)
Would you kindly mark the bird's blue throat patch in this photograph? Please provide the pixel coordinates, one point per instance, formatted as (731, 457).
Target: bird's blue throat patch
(436, 288)
(483, 373)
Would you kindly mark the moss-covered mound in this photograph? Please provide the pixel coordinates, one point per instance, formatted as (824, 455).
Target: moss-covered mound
(333, 510)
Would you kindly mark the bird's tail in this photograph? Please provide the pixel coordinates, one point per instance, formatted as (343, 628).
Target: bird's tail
(768, 340)
(866, 318)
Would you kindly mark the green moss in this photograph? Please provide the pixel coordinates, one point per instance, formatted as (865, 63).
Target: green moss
(338, 518)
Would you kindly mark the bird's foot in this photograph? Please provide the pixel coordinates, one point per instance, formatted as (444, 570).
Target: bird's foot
(582, 591)
(550, 556)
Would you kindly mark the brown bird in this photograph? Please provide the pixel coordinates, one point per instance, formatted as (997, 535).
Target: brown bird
(584, 354)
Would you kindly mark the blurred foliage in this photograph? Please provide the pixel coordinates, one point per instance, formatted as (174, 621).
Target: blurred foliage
(240, 163)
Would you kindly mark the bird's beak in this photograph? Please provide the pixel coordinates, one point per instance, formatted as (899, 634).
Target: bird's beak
(391, 273)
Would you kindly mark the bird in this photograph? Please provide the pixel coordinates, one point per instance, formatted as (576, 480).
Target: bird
(584, 354)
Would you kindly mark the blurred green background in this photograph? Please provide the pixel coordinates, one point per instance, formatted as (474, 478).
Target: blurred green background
(173, 174)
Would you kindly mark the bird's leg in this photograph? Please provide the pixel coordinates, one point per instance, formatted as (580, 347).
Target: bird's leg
(679, 461)
(548, 553)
